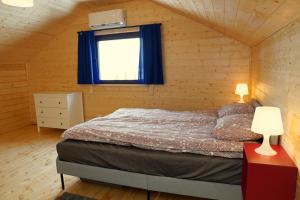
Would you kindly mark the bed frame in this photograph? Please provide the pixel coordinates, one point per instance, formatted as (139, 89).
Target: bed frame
(150, 183)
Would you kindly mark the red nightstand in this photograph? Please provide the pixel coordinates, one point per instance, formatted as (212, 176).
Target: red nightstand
(268, 177)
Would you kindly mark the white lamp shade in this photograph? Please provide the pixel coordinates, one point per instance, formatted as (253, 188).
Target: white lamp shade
(18, 3)
(241, 89)
(267, 121)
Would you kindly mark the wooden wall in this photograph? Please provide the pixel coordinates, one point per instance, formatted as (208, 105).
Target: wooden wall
(14, 102)
(201, 65)
(276, 82)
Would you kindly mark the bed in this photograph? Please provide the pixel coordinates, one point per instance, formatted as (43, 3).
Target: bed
(151, 160)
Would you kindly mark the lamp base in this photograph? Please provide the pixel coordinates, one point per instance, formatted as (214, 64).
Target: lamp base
(241, 99)
(265, 148)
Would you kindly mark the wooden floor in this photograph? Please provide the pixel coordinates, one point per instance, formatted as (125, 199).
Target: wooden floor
(27, 171)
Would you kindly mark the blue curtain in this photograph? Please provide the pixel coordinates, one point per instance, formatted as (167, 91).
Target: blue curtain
(88, 71)
(150, 66)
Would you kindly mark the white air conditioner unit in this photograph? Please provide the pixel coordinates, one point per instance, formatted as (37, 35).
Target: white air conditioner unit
(107, 19)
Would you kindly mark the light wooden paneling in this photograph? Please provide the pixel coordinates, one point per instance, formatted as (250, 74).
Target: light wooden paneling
(25, 31)
(276, 82)
(201, 65)
(28, 171)
(250, 21)
(14, 101)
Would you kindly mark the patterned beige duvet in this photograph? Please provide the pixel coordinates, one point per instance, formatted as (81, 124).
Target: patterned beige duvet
(158, 130)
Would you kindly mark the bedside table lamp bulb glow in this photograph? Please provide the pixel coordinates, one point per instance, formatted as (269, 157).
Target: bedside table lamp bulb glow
(267, 121)
(241, 89)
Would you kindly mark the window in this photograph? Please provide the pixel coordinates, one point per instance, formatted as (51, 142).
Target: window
(118, 57)
(134, 57)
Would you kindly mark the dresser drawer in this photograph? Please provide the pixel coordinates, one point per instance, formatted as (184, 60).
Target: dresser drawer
(52, 112)
(53, 122)
(58, 102)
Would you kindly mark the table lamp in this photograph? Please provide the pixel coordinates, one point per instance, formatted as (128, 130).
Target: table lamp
(241, 89)
(267, 121)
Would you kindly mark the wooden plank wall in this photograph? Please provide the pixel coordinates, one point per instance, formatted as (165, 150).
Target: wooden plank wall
(201, 65)
(276, 82)
(14, 101)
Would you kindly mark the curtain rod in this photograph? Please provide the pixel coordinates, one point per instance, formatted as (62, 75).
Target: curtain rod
(133, 26)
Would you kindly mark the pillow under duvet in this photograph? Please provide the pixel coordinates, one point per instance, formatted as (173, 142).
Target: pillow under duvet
(235, 108)
(235, 127)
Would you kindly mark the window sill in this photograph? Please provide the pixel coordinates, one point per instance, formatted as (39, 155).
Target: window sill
(120, 84)
(94, 89)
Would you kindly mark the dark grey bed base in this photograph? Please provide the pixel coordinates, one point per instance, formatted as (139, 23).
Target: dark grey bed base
(150, 183)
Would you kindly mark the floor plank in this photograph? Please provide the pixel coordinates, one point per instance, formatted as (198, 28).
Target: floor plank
(28, 171)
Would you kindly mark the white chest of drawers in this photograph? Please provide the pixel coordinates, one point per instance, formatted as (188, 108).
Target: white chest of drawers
(58, 110)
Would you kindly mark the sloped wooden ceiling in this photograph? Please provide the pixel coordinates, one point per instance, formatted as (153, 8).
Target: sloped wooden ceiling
(25, 31)
(250, 21)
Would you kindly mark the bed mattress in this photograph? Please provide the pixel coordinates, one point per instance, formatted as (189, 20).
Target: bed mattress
(152, 162)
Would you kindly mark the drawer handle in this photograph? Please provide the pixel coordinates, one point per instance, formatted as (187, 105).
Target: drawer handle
(59, 102)
(60, 113)
(41, 102)
(43, 122)
(42, 112)
(61, 123)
